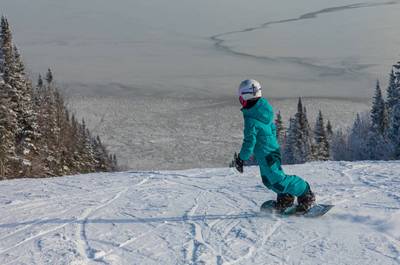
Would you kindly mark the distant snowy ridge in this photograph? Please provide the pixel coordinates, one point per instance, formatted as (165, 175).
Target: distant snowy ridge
(200, 216)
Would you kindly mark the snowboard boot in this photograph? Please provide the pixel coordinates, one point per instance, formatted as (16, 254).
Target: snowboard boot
(305, 201)
(283, 201)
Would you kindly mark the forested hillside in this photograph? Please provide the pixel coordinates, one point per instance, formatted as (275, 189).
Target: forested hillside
(38, 135)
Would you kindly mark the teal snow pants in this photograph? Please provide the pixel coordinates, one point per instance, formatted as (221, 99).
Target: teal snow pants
(275, 179)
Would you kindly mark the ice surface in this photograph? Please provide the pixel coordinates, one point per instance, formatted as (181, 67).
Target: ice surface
(179, 133)
(336, 48)
(200, 216)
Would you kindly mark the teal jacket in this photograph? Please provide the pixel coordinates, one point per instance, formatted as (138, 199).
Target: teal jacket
(259, 131)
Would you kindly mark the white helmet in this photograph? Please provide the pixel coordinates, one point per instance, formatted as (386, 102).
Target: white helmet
(249, 89)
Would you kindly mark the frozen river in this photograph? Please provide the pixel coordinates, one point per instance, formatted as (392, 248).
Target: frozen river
(296, 48)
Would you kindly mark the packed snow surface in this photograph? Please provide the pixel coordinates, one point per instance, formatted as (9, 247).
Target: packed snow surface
(200, 216)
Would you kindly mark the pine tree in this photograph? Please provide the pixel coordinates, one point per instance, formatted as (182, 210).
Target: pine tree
(397, 72)
(73, 145)
(393, 92)
(340, 149)
(298, 147)
(7, 65)
(20, 95)
(394, 112)
(104, 161)
(49, 129)
(27, 117)
(321, 150)
(8, 125)
(394, 131)
(330, 135)
(86, 150)
(379, 119)
(280, 129)
(6, 51)
(38, 93)
(377, 142)
(232, 163)
(49, 76)
(10, 91)
(2, 59)
(61, 121)
(291, 135)
(329, 130)
(40, 82)
(114, 163)
(357, 138)
(302, 151)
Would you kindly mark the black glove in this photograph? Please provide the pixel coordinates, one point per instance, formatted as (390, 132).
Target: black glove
(238, 163)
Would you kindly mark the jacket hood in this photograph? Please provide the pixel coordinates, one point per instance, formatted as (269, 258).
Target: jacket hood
(261, 111)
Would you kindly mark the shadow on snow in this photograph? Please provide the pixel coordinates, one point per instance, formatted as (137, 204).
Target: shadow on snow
(138, 220)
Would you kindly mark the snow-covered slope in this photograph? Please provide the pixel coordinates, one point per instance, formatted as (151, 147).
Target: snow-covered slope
(202, 216)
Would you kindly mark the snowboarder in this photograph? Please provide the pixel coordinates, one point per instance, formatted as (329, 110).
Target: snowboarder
(260, 139)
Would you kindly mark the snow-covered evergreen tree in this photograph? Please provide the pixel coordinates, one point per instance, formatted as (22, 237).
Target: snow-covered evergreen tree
(339, 146)
(8, 125)
(288, 151)
(303, 147)
(6, 51)
(330, 135)
(378, 146)
(379, 119)
(114, 163)
(86, 150)
(2, 59)
(280, 129)
(392, 92)
(397, 73)
(7, 66)
(394, 111)
(377, 141)
(27, 118)
(10, 95)
(49, 129)
(329, 130)
(298, 146)
(358, 138)
(20, 95)
(321, 149)
(394, 131)
(104, 160)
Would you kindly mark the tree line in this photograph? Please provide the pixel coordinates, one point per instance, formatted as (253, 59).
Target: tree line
(301, 143)
(374, 135)
(38, 135)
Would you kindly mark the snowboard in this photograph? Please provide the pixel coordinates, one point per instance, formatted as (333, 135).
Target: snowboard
(316, 210)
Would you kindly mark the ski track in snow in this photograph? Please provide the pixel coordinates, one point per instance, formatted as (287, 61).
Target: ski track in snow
(200, 216)
(83, 242)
